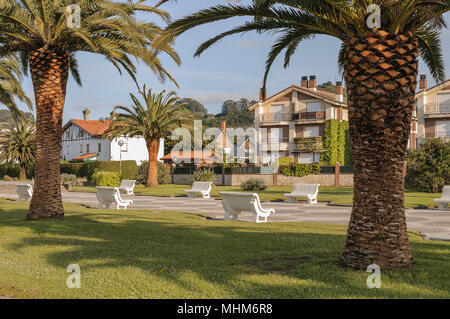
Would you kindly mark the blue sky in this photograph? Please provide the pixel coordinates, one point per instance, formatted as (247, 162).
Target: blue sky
(232, 69)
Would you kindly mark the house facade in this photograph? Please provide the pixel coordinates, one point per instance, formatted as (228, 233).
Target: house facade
(433, 111)
(299, 111)
(83, 141)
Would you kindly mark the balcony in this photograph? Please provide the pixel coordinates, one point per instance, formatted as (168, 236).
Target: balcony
(272, 144)
(276, 117)
(437, 109)
(309, 116)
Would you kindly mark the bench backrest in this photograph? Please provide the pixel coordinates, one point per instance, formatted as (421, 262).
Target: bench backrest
(241, 201)
(24, 190)
(201, 186)
(305, 188)
(127, 183)
(446, 192)
(108, 194)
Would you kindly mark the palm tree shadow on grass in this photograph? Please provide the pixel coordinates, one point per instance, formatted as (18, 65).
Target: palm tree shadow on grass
(304, 263)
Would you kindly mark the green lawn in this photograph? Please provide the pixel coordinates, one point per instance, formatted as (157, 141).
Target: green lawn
(138, 254)
(336, 195)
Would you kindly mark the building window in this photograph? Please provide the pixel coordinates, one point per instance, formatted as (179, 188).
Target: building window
(442, 128)
(99, 147)
(81, 133)
(81, 148)
(277, 112)
(308, 158)
(444, 102)
(311, 131)
(87, 148)
(314, 107)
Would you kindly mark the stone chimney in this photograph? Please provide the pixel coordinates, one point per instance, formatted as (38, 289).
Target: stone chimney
(304, 83)
(312, 84)
(339, 92)
(423, 82)
(262, 94)
(86, 113)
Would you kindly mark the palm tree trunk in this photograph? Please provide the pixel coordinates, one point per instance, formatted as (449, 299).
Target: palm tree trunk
(152, 179)
(22, 172)
(49, 72)
(380, 72)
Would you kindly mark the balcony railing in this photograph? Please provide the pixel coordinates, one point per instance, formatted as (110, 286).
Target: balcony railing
(437, 108)
(276, 117)
(309, 116)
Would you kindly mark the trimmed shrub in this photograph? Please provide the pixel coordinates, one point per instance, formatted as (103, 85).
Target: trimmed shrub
(205, 175)
(299, 170)
(163, 173)
(285, 161)
(129, 168)
(253, 184)
(6, 178)
(107, 179)
(429, 167)
(68, 178)
(337, 143)
(72, 168)
(11, 170)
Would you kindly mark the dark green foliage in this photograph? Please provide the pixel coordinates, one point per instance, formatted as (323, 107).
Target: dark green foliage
(299, 170)
(337, 143)
(68, 178)
(106, 179)
(129, 168)
(254, 184)
(192, 105)
(163, 173)
(205, 175)
(429, 167)
(13, 170)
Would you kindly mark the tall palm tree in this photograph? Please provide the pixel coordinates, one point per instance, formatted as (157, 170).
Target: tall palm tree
(18, 144)
(153, 119)
(380, 69)
(10, 85)
(46, 36)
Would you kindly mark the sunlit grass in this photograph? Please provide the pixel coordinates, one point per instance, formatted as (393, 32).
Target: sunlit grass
(140, 254)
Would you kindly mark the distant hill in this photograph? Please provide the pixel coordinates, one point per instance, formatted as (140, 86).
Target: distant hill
(5, 116)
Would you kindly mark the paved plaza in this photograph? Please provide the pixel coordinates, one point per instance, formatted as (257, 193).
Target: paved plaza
(431, 222)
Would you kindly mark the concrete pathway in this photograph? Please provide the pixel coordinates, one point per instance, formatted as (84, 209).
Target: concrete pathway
(432, 223)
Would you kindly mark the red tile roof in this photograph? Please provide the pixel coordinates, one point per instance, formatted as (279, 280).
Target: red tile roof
(84, 156)
(93, 127)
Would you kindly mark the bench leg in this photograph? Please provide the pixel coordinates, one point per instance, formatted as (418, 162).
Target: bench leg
(312, 200)
(205, 195)
(443, 206)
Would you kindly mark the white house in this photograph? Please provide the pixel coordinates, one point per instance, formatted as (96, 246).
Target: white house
(83, 141)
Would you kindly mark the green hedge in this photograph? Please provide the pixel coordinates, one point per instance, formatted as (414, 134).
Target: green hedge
(13, 170)
(129, 168)
(299, 170)
(337, 143)
(107, 179)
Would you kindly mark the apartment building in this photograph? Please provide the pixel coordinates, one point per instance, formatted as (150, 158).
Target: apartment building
(296, 112)
(433, 111)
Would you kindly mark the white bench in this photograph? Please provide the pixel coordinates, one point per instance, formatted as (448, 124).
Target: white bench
(127, 186)
(234, 203)
(25, 192)
(108, 196)
(309, 191)
(203, 188)
(445, 199)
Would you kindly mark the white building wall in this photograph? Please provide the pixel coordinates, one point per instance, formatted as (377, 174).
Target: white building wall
(133, 149)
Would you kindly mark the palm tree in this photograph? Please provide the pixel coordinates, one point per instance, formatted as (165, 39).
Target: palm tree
(153, 119)
(18, 144)
(10, 85)
(46, 37)
(380, 69)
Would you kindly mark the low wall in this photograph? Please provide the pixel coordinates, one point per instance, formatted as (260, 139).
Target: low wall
(345, 180)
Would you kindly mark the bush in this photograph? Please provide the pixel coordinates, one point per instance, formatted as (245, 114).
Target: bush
(72, 168)
(299, 170)
(254, 184)
(107, 179)
(6, 178)
(429, 167)
(163, 173)
(129, 168)
(68, 178)
(13, 170)
(205, 175)
(285, 161)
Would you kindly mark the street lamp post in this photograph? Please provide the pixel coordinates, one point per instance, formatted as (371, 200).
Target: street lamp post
(121, 143)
